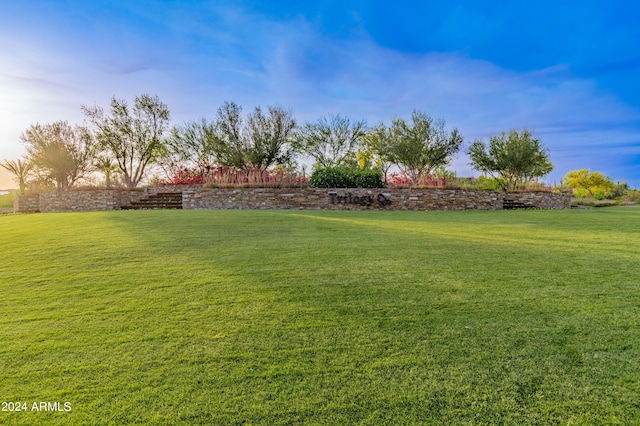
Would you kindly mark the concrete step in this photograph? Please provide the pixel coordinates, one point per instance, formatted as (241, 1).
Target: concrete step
(515, 205)
(161, 200)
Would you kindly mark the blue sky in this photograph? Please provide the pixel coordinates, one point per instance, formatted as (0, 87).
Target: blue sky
(569, 71)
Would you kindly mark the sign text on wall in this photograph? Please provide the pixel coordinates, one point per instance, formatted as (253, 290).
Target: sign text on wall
(363, 200)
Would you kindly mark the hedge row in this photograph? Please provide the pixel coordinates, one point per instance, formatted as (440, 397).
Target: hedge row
(335, 177)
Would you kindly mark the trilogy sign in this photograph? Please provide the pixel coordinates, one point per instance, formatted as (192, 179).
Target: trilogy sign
(363, 200)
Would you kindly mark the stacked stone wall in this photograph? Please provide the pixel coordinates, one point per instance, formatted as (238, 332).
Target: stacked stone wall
(77, 201)
(154, 190)
(541, 200)
(26, 203)
(196, 197)
(361, 199)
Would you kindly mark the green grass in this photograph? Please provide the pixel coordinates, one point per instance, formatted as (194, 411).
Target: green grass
(272, 317)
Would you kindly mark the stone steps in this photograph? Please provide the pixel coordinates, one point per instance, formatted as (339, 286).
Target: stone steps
(163, 200)
(515, 205)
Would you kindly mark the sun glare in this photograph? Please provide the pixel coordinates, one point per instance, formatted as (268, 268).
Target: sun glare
(6, 182)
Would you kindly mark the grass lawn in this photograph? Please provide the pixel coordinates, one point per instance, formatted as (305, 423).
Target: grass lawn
(284, 317)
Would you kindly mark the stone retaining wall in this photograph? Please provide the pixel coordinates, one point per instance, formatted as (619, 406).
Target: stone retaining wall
(540, 199)
(364, 199)
(26, 203)
(196, 197)
(153, 190)
(77, 201)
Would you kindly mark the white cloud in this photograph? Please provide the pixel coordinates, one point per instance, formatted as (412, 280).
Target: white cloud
(202, 59)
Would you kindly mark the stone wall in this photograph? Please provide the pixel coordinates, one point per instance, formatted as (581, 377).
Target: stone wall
(77, 201)
(153, 190)
(363, 199)
(196, 197)
(541, 200)
(26, 203)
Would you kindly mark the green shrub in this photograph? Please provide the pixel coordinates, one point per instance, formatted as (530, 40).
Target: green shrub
(607, 204)
(632, 195)
(594, 203)
(582, 203)
(367, 178)
(6, 201)
(336, 177)
(618, 191)
(580, 193)
(489, 183)
(329, 177)
(587, 184)
(599, 193)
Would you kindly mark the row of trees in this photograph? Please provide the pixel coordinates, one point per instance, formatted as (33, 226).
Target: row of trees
(123, 142)
(127, 140)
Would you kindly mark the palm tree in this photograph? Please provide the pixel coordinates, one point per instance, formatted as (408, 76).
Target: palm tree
(21, 170)
(107, 166)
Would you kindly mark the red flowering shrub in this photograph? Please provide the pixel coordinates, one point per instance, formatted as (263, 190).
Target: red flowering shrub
(224, 176)
(186, 176)
(402, 179)
(230, 176)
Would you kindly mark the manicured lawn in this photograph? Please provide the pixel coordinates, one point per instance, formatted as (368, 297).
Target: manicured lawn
(285, 317)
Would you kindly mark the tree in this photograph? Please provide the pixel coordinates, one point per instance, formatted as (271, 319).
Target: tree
(132, 136)
(268, 138)
(374, 149)
(195, 143)
(330, 141)
(259, 142)
(514, 158)
(229, 144)
(60, 152)
(587, 183)
(108, 167)
(422, 146)
(21, 169)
